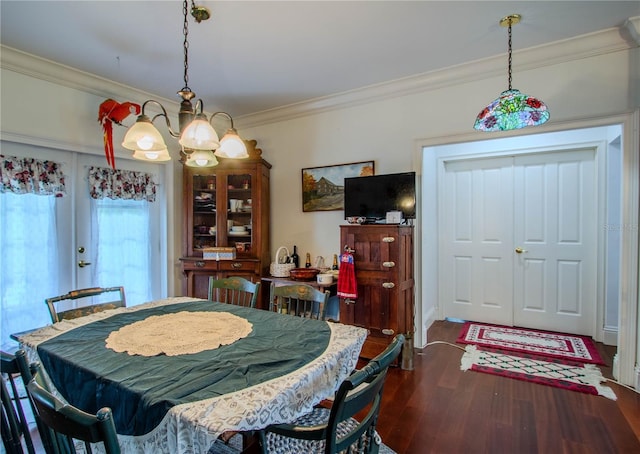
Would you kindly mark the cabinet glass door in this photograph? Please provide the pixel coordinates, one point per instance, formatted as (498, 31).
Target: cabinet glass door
(204, 211)
(239, 213)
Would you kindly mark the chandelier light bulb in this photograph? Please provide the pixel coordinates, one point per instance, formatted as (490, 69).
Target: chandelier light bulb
(199, 135)
(232, 146)
(201, 158)
(145, 143)
(153, 156)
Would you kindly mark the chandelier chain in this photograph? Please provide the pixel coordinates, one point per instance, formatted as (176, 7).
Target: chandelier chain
(185, 32)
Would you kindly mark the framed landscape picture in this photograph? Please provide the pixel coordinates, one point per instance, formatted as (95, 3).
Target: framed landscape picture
(323, 187)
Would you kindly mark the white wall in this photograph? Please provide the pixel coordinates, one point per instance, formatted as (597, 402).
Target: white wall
(390, 133)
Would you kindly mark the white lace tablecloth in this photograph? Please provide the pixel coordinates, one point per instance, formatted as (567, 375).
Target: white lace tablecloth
(193, 427)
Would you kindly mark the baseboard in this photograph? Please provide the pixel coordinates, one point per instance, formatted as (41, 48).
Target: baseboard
(427, 320)
(610, 336)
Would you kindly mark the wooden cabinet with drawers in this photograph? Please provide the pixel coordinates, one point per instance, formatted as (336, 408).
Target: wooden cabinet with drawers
(217, 201)
(383, 259)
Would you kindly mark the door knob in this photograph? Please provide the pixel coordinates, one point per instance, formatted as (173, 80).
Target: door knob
(82, 263)
(519, 250)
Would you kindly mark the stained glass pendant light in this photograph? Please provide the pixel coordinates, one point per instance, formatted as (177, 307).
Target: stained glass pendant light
(512, 109)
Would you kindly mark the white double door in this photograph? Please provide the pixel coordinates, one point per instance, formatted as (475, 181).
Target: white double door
(518, 238)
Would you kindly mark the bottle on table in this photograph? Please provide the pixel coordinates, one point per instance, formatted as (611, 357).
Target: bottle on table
(294, 257)
(307, 262)
(335, 262)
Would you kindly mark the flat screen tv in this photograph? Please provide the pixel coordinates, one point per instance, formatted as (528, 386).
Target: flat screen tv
(372, 197)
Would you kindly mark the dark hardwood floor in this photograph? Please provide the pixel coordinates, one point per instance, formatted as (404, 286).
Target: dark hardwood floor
(437, 408)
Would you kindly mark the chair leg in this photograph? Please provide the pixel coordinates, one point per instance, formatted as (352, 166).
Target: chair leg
(22, 419)
(10, 425)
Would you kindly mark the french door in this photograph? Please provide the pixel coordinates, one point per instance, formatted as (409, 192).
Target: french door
(520, 240)
(89, 243)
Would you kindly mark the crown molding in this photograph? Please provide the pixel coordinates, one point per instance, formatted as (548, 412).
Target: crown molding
(577, 48)
(67, 76)
(584, 46)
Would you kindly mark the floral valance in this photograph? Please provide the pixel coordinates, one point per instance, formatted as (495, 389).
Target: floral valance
(31, 176)
(121, 184)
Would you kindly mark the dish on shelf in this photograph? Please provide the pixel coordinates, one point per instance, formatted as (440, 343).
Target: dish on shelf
(243, 233)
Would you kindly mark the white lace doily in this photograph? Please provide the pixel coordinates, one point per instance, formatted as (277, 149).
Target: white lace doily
(179, 334)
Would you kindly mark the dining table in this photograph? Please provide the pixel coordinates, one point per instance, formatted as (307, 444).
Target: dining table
(180, 372)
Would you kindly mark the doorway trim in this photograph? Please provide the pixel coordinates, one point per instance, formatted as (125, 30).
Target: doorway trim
(426, 161)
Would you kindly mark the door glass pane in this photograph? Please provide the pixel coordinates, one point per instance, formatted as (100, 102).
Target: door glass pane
(122, 251)
(28, 261)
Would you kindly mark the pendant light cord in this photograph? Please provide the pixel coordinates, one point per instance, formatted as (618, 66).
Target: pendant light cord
(509, 61)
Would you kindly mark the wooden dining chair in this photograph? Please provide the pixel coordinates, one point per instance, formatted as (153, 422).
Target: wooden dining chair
(97, 303)
(336, 429)
(234, 290)
(65, 423)
(301, 300)
(15, 426)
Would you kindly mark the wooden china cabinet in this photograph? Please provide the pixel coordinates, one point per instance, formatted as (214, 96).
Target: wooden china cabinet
(383, 260)
(235, 193)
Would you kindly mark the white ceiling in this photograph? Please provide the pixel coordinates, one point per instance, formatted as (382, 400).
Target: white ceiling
(257, 55)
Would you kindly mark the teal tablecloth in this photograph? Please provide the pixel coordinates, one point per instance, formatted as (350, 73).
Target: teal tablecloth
(141, 390)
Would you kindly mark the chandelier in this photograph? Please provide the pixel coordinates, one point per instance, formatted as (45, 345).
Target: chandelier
(198, 139)
(512, 109)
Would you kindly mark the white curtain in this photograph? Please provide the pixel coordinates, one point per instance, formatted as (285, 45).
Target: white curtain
(28, 261)
(120, 230)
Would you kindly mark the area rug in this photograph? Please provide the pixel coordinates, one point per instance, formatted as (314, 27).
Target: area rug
(542, 343)
(585, 378)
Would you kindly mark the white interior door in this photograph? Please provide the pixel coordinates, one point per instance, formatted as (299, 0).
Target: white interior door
(555, 230)
(477, 225)
(519, 241)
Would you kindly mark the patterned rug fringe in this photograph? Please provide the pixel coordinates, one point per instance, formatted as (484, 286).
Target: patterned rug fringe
(584, 375)
(470, 357)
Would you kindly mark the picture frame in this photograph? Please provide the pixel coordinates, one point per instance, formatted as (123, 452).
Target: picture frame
(323, 187)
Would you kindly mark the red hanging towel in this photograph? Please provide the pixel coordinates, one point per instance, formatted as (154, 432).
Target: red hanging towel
(347, 285)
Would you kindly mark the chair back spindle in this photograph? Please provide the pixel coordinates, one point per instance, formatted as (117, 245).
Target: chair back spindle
(234, 290)
(301, 300)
